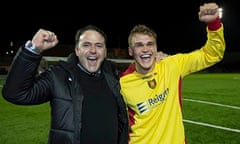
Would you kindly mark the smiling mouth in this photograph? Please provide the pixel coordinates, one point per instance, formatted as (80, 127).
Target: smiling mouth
(145, 56)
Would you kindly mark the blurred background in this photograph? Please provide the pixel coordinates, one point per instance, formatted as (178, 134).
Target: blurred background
(176, 24)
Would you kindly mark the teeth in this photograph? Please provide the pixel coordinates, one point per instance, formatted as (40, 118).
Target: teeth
(145, 56)
(92, 58)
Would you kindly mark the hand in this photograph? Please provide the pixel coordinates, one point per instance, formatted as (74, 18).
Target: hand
(160, 56)
(208, 12)
(44, 40)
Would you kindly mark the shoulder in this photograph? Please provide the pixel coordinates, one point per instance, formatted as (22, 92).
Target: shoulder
(110, 67)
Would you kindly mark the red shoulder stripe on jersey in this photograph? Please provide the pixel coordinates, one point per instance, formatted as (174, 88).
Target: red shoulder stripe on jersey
(130, 69)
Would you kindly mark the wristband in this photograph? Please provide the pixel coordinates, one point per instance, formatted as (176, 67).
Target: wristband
(31, 47)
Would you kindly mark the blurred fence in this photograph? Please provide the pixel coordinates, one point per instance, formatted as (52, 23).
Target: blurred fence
(229, 64)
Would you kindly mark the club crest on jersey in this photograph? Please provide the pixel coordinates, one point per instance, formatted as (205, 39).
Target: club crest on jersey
(152, 83)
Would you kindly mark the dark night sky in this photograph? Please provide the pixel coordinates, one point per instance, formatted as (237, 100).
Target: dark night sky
(176, 23)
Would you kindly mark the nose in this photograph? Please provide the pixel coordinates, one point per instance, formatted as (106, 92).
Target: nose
(145, 47)
(93, 49)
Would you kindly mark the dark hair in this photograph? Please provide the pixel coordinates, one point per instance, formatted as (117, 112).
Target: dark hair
(86, 28)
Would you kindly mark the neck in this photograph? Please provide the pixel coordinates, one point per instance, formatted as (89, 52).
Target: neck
(95, 74)
(142, 70)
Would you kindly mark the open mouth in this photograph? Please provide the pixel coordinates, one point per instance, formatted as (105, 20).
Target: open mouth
(92, 60)
(146, 57)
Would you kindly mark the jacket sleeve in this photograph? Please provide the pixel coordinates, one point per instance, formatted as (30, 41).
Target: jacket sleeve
(23, 86)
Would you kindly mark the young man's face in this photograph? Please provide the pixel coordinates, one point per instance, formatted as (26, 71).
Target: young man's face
(144, 50)
(91, 50)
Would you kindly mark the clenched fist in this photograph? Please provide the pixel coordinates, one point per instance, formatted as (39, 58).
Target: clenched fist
(44, 40)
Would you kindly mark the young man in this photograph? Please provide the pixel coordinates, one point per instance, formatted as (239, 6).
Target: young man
(84, 92)
(152, 90)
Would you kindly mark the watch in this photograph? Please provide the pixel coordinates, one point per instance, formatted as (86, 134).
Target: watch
(31, 47)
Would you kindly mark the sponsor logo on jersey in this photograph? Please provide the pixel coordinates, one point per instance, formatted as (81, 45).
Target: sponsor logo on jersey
(152, 102)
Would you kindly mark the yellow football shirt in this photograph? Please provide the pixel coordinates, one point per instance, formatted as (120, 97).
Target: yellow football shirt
(154, 99)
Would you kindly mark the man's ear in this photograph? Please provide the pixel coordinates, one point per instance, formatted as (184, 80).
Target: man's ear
(130, 51)
(76, 51)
